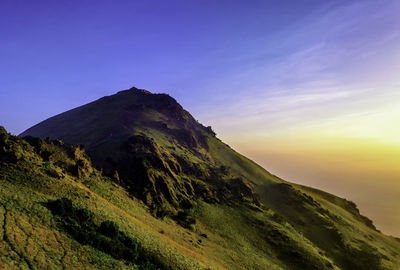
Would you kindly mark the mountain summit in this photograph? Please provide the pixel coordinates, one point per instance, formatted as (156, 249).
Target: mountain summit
(177, 175)
(155, 148)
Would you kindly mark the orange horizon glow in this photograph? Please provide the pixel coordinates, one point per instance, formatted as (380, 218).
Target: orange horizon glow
(361, 170)
(346, 142)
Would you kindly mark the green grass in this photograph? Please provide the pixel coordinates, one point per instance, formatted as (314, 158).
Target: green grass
(251, 218)
(79, 224)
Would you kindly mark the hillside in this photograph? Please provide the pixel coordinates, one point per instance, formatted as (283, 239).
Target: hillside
(133, 180)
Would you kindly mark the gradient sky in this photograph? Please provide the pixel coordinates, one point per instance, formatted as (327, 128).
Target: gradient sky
(309, 89)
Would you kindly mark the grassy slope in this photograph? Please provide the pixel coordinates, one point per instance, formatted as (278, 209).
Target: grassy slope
(354, 230)
(299, 228)
(31, 238)
(237, 236)
(350, 225)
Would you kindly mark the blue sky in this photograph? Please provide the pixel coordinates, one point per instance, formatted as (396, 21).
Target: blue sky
(215, 57)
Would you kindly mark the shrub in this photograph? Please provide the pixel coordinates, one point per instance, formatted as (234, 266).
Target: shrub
(192, 227)
(163, 213)
(109, 228)
(187, 204)
(51, 170)
(3, 134)
(62, 207)
(186, 219)
(78, 224)
(210, 130)
(83, 215)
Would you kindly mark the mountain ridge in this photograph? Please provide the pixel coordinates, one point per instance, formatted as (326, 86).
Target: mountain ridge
(156, 154)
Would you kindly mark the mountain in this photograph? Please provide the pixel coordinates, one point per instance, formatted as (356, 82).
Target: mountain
(133, 181)
(155, 149)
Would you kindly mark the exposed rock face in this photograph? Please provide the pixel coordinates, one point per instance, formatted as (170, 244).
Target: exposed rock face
(162, 180)
(149, 144)
(149, 171)
(159, 153)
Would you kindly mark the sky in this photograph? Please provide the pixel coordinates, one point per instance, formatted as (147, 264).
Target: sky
(309, 89)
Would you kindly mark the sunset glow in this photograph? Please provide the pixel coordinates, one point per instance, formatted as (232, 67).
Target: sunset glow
(308, 89)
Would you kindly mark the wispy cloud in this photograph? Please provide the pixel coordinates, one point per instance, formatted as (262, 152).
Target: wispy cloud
(339, 63)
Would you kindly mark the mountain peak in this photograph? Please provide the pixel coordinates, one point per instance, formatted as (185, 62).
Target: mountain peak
(153, 148)
(135, 90)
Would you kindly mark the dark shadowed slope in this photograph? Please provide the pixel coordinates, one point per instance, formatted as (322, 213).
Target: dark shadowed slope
(154, 147)
(149, 145)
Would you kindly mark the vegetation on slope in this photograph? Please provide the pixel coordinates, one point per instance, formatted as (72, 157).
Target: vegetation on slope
(195, 203)
(79, 224)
